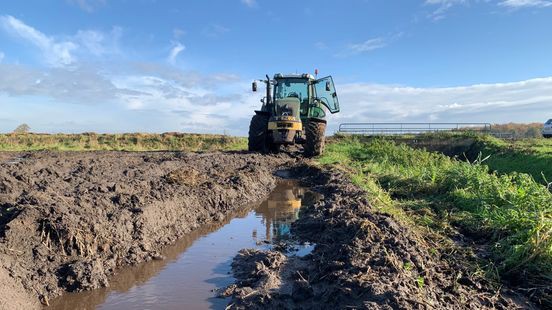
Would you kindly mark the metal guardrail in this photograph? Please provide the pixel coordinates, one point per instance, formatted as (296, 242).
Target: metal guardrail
(410, 128)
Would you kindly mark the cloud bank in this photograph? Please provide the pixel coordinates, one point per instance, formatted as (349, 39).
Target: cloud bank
(191, 101)
(64, 51)
(148, 96)
(522, 101)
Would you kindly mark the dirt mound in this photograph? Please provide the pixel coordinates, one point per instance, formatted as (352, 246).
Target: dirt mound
(363, 259)
(69, 220)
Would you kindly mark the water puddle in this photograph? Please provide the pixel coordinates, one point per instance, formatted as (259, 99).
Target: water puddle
(15, 160)
(199, 263)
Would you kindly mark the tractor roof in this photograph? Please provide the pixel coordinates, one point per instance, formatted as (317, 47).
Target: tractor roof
(293, 76)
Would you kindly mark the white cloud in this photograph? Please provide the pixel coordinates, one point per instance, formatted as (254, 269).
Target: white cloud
(522, 101)
(445, 2)
(66, 50)
(175, 50)
(56, 52)
(214, 30)
(190, 101)
(178, 33)
(321, 45)
(97, 43)
(516, 4)
(76, 85)
(198, 107)
(1, 56)
(88, 5)
(367, 46)
(362, 47)
(185, 101)
(442, 7)
(250, 3)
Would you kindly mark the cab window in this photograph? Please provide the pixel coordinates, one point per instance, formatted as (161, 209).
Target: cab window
(292, 88)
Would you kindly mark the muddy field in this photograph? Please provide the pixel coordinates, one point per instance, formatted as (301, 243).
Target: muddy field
(69, 220)
(363, 259)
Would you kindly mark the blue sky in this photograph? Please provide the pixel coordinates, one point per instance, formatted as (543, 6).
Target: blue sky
(154, 66)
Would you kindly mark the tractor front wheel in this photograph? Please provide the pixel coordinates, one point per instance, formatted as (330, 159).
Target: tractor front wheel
(258, 133)
(314, 133)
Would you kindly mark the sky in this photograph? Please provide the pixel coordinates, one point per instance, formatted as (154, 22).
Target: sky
(158, 66)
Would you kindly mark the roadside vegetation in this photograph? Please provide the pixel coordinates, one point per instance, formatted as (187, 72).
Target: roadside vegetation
(508, 214)
(520, 131)
(531, 156)
(120, 142)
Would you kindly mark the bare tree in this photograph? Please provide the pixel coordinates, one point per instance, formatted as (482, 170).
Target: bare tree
(23, 128)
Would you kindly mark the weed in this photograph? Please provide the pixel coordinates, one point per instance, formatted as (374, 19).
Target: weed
(420, 281)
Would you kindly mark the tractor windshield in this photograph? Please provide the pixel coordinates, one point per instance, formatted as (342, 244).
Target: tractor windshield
(292, 88)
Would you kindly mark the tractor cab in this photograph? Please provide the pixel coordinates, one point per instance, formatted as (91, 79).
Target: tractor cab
(293, 102)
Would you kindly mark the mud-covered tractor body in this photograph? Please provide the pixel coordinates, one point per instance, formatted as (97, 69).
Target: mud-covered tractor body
(293, 112)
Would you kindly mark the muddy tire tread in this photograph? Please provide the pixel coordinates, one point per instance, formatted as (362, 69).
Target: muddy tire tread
(315, 135)
(258, 133)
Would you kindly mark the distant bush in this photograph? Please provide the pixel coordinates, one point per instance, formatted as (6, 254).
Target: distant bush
(23, 128)
(531, 130)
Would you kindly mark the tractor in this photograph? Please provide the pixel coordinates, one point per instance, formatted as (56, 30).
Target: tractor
(293, 112)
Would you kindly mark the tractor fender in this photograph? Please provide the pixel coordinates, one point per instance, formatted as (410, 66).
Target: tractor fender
(315, 120)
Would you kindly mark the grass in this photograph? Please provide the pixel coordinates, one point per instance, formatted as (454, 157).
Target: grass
(531, 156)
(120, 142)
(511, 212)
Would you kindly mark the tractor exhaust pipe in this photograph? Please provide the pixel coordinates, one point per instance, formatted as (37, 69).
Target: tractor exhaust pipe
(268, 90)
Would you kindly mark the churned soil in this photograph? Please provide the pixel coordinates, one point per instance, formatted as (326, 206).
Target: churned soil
(362, 259)
(68, 220)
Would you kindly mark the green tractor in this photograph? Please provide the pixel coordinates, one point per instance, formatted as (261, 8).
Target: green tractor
(293, 112)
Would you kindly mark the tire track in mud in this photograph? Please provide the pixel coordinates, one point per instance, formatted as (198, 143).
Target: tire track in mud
(362, 259)
(70, 219)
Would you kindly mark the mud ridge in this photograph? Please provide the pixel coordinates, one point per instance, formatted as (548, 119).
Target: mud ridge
(68, 220)
(362, 259)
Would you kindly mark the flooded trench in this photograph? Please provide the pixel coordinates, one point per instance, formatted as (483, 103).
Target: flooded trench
(200, 263)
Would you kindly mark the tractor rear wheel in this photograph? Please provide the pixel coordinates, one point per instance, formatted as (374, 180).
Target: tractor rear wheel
(275, 148)
(258, 133)
(314, 133)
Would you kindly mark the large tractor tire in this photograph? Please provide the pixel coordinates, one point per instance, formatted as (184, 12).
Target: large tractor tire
(274, 148)
(315, 135)
(258, 135)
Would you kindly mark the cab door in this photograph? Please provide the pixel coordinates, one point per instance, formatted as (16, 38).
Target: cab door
(325, 92)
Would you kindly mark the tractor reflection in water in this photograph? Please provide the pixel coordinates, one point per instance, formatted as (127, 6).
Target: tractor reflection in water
(282, 208)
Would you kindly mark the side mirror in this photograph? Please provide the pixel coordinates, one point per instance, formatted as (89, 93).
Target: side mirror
(328, 88)
(254, 86)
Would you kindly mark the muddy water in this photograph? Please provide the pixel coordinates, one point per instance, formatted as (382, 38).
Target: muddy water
(199, 263)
